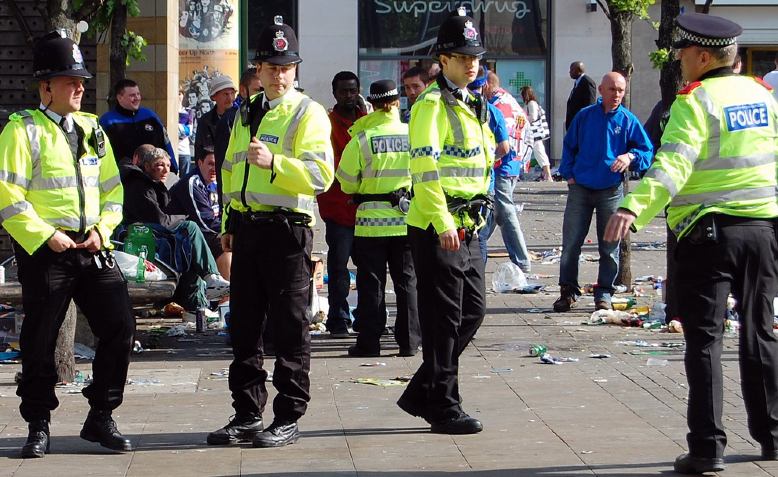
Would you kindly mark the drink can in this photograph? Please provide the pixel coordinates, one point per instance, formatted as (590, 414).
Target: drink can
(200, 322)
(537, 350)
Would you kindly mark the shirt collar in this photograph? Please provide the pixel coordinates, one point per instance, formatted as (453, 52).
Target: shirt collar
(272, 104)
(460, 93)
(578, 80)
(68, 126)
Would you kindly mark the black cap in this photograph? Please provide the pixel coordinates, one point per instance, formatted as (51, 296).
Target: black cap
(698, 29)
(54, 55)
(458, 35)
(383, 91)
(277, 44)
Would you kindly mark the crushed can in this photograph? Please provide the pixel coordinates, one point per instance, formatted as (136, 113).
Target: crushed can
(537, 350)
(200, 321)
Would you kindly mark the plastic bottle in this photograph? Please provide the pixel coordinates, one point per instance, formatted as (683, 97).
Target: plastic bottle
(140, 273)
(537, 350)
(657, 312)
(659, 285)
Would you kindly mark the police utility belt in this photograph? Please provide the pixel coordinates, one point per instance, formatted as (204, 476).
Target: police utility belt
(278, 216)
(708, 227)
(400, 198)
(475, 207)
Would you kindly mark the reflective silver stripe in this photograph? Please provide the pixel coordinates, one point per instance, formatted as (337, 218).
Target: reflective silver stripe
(723, 163)
(462, 172)
(346, 177)
(62, 182)
(387, 173)
(380, 222)
(720, 196)
(425, 177)
(110, 184)
(15, 179)
(679, 148)
(274, 200)
(456, 125)
(14, 209)
(309, 160)
(375, 205)
(33, 135)
(714, 122)
(112, 207)
(367, 154)
(291, 131)
(72, 223)
(663, 178)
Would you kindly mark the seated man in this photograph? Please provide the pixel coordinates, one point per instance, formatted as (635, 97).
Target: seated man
(195, 197)
(146, 200)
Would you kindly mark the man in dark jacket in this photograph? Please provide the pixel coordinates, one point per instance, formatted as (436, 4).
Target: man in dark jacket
(584, 92)
(195, 197)
(222, 91)
(129, 125)
(147, 200)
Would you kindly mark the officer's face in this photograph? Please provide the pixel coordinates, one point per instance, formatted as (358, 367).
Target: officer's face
(224, 99)
(694, 62)
(207, 168)
(277, 79)
(413, 88)
(64, 92)
(460, 69)
(346, 93)
(159, 169)
(129, 98)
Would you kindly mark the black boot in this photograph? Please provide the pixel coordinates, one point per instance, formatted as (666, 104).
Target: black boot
(241, 428)
(280, 433)
(37, 444)
(101, 428)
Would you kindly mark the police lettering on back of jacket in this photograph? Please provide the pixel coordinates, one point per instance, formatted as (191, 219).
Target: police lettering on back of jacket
(60, 199)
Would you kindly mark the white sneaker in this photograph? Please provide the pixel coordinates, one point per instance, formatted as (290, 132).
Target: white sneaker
(216, 286)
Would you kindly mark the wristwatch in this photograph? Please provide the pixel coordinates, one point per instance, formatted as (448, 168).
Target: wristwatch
(631, 156)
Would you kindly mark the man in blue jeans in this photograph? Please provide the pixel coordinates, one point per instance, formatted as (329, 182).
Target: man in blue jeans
(604, 141)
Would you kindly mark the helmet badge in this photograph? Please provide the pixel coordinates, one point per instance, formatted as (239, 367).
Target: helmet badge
(279, 42)
(470, 33)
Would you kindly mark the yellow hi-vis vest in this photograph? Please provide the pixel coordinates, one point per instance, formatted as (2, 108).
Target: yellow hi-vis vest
(297, 132)
(42, 187)
(719, 154)
(377, 161)
(452, 153)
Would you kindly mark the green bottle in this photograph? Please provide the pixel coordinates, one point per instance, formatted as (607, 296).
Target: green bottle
(140, 273)
(537, 350)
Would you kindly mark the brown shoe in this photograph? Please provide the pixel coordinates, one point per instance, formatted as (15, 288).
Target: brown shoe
(602, 305)
(566, 300)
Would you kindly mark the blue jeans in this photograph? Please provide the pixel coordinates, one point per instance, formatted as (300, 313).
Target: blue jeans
(339, 240)
(581, 203)
(184, 165)
(506, 216)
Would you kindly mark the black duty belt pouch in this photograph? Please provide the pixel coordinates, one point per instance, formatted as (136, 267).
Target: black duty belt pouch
(705, 231)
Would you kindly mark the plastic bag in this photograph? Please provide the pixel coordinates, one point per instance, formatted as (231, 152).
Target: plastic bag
(129, 267)
(508, 278)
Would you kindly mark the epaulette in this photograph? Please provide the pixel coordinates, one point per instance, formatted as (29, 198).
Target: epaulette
(20, 115)
(690, 87)
(763, 83)
(431, 96)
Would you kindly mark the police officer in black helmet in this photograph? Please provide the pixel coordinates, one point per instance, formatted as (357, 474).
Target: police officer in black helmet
(60, 199)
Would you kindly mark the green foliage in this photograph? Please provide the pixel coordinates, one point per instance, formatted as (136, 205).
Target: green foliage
(660, 57)
(134, 44)
(131, 42)
(638, 8)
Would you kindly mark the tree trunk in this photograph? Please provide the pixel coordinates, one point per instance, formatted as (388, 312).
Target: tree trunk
(118, 53)
(621, 56)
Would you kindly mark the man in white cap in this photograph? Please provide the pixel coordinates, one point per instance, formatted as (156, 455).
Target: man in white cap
(222, 91)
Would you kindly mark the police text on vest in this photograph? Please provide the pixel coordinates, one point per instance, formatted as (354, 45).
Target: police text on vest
(746, 116)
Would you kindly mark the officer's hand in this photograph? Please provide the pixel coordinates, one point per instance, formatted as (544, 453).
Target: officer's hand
(570, 181)
(92, 242)
(618, 225)
(259, 154)
(621, 164)
(227, 242)
(59, 242)
(449, 240)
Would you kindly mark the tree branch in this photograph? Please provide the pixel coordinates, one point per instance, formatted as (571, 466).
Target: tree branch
(21, 21)
(604, 9)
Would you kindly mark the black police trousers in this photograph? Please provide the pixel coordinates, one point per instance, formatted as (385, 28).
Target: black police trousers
(371, 256)
(49, 281)
(270, 283)
(452, 304)
(742, 262)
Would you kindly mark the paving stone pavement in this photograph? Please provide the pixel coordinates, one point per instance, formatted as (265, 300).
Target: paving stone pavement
(612, 416)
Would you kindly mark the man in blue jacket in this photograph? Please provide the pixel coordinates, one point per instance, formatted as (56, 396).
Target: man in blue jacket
(604, 141)
(130, 125)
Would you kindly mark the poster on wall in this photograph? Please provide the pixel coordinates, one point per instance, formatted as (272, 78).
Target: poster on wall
(209, 39)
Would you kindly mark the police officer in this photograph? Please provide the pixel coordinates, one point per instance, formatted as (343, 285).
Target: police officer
(716, 171)
(278, 158)
(451, 158)
(375, 167)
(60, 199)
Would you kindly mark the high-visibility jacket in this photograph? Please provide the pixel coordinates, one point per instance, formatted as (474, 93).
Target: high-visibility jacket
(452, 152)
(44, 188)
(377, 161)
(719, 153)
(297, 132)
